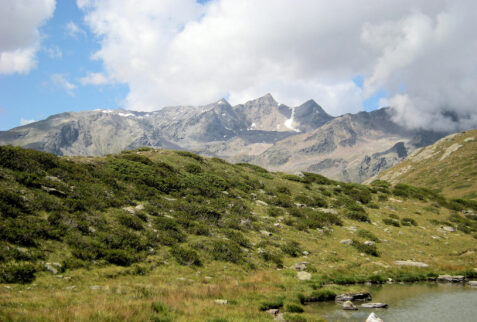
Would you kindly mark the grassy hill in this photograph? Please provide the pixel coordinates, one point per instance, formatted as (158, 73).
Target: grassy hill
(449, 166)
(162, 235)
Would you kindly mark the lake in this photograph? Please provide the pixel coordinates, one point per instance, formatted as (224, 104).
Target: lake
(411, 302)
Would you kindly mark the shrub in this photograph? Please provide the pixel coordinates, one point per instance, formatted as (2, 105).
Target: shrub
(406, 221)
(273, 257)
(191, 155)
(292, 248)
(120, 257)
(317, 178)
(293, 177)
(193, 168)
(22, 273)
(275, 211)
(294, 308)
(185, 256)
(367, 235)
(282, 200)
(391, 222)
(283, 189)
(358, 216)
(364, 248)
(237, 237)
(271, 304)
(226, 251)
(130, 221)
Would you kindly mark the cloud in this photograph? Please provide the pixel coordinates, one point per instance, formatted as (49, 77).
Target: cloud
(94, 79)
(60, 81)
(73, 30)
(420, 52)
(25, 122)
(19, 35)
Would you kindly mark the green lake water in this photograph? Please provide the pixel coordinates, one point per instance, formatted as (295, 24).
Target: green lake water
(411, 302)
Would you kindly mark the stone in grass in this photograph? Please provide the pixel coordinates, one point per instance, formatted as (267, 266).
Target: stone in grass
(303, 276)
(346, 241)
(53, 267)
(349, 306)
(374, 305)
(373, 318)
(411, 263)
(221, 301)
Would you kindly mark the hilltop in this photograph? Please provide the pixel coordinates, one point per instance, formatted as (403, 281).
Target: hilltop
(447, 166)
(151, 234)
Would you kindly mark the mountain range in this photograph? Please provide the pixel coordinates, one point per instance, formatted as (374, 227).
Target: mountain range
(350, 147)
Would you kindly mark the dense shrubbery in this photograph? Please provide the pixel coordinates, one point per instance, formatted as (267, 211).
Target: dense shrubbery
(185, 256)
(368, 235)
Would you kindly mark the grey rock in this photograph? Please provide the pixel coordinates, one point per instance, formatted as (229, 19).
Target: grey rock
(374, 305)
(411, 263)
(53, 267)
(273, 312)
(221, 301)
(348, 305)
(451, 278)
(266, 233)
(346, 241)
(472, 283)
(369, 243)
(300, 266)
(373, 318)
(448, 229)
(353, 297)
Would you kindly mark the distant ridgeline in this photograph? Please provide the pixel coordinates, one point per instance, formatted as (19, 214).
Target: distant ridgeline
(350, 147)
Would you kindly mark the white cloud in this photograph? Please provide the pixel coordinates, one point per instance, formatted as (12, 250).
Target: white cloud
(25, 122)
(180, 52)
(60, 81)
(74, 30)
(94, 79)
(19, 35)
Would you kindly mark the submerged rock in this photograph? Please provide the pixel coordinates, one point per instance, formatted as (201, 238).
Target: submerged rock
(348, 305)
(374, 305)
(373, 318)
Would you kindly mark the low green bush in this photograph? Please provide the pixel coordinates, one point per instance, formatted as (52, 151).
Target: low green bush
(185, 256)
(365, 248)
(291, 248)
(294, 308)
(358, 216)
(391, 222)
(20, 272)
(406, 221)
(271, 304)
(367, 235)
(317, 296)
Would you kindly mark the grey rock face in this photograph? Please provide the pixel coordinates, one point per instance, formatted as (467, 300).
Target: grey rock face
(261, 131)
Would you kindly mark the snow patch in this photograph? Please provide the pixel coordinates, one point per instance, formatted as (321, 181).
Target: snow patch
(289, 123)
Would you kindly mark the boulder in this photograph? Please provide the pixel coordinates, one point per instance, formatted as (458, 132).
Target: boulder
(353, 297)
(303, 276)
(53, 267)
(373, 318)
(411, 263)
(300, 266)
(369, 243)
(448, 229)
(348, 305)
(375, 305)
(221, 301)
(346, 241)
(266, 233)
(273, 312)
(472, 283)
(451, 278)
(261, 203)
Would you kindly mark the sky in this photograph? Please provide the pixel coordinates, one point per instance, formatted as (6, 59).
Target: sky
(417, 56)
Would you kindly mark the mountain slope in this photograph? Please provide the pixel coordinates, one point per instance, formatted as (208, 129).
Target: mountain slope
(138, 234)
(350, 147)
(448, 166)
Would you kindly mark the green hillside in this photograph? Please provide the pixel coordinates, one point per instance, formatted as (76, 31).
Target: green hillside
(167, 235)
(449, 166)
